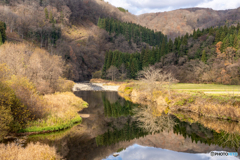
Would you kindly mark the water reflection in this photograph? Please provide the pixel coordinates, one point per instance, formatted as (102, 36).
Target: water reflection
(118, 108)
(152, 121)
(115, 124)
(137, 152)
(198, 133)
(129, 132)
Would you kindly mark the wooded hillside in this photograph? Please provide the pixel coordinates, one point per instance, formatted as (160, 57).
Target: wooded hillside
(207, 56)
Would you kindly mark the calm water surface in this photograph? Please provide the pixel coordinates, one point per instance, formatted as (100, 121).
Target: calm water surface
(120, 130)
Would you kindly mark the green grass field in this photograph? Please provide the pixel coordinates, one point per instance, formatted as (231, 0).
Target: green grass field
(214, 89)
(189, 86)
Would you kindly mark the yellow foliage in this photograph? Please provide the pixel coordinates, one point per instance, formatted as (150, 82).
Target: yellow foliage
(64, 85)
(167, 100)
(5, 119)
(9, 101)
(17, 81)
(4, 71)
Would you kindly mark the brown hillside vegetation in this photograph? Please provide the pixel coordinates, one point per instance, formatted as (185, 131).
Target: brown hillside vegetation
(69, 28)
(179, 22)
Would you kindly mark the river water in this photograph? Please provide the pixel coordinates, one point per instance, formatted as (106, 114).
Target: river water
(116, 129)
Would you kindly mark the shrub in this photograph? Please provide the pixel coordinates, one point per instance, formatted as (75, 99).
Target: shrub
(97, 74)
(32, 151)
(11, 105)
(64, 85)
(5, 120)
(27, 94)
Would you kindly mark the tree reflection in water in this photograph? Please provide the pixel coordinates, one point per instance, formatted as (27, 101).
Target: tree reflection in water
(152, 121)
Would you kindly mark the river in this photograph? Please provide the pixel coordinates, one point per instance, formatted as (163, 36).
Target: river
(116, 129)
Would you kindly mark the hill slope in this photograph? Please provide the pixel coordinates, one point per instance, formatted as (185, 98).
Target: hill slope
(179, 22)
(73, 32)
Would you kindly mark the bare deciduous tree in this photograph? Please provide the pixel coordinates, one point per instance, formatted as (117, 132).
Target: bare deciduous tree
(156, 78)
(112, 72)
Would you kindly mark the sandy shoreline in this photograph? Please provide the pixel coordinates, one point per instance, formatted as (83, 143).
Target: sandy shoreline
(93, 87)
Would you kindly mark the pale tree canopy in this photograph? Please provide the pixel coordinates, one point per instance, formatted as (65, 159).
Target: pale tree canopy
(112, 73)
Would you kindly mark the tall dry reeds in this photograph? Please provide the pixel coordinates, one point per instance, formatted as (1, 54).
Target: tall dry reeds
(31, 152)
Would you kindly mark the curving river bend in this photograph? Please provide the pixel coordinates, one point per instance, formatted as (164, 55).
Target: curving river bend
(116, 129)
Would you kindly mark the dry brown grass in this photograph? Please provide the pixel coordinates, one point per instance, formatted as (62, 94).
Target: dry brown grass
(31, 152)
(199, 103)
(64, 85)
(75, 32)
(62, 110)
(64, 105)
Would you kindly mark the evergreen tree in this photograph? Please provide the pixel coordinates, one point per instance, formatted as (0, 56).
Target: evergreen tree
(211, 31)
(141, 59)
(3, 31)
(204, 58)
(163, 48)
(109, 59)
(222, 36)
(195, 36)
(225, 29)
(217, 36)
(199, 33)
(41, 2)
(105, 65)
(236, 42)
(46, 13)
(133, 68)
(145, 62)
(231, 40)
(185, 40)
(1, 39)
(175, 44)
(51, 17)
(226, 44)
(238, 26)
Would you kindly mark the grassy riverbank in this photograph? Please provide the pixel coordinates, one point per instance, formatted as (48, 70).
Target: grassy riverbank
(24, 110)
(62, 113)
(187, 98)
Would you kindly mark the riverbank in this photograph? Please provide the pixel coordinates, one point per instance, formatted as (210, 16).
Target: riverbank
(214, 106)
(62, 111)
(94, 87)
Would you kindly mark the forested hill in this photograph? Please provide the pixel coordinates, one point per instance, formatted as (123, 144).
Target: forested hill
(132, 31)
(68, 28)
(210, 55)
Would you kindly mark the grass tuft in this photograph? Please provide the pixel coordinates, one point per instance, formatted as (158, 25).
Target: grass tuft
(32, 151)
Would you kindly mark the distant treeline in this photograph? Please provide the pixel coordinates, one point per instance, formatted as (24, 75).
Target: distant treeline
(132, 32)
